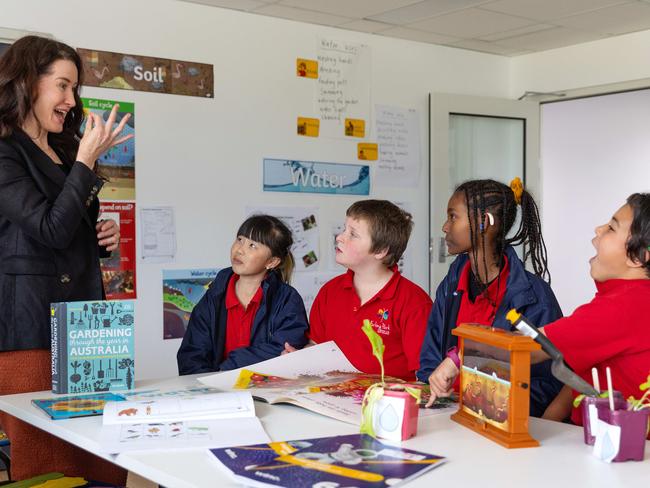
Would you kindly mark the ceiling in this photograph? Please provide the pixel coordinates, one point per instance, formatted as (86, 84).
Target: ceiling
(504, 27)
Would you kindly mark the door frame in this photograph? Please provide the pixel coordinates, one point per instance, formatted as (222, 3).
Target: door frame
(441, 105)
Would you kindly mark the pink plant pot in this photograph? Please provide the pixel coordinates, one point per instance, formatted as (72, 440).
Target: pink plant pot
(411, 408)
(590, 405)
(634, 429)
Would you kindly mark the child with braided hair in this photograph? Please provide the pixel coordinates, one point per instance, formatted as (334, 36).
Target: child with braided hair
(488, 278)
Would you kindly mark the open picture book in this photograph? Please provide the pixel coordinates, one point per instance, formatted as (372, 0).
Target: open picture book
(319, 378)
(208, 420)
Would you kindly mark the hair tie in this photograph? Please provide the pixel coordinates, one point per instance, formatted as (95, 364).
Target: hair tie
(517, 188)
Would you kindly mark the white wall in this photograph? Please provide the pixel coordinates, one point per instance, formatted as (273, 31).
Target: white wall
(595, 153)
(612, 60)
(204, 156)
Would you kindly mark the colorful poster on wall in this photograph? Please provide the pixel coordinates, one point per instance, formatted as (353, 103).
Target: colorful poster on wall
(118, 163)
(303, 223)
(144, 73)
(306, 68)
(307, 127)
(182, 289)
(118, 271)
(355, 128)
(367, 151)
(312, 177)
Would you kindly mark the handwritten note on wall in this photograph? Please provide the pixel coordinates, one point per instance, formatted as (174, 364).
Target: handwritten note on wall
(343, 88)
(398, 136)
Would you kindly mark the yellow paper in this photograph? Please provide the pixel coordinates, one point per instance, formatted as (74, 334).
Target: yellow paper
(355, 474)
(65, 482)
(244, 379)
(355, 127)
(306, 68)
(308, 127)
(367, 151)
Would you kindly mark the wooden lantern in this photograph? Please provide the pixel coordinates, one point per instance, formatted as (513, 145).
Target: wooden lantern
(495, 384)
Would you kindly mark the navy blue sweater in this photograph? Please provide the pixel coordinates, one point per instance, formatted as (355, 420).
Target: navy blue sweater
(525, 291)
(280, 318)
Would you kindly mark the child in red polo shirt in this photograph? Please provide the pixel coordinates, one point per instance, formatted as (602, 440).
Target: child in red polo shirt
(613, 330)
(375, 236)
(250, 311)
(488, 278)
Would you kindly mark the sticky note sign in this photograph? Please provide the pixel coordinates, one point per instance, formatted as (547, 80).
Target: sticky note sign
(367, 151)
(308, 127)
(306, 68)
(355, 127)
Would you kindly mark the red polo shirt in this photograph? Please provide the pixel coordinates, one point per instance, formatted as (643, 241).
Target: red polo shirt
(483, 308)
(240, 318)
(612, 330)
(398, 313)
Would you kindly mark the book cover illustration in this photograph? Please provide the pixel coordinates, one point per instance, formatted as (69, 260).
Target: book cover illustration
(318, 378)
(92, 346)
(69, 407)
(349, 460)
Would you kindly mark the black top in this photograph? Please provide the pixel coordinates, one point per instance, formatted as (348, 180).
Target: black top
(48, 242)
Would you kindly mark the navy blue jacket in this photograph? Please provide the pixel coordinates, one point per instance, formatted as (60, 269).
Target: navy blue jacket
(281, 318)
(526, 292)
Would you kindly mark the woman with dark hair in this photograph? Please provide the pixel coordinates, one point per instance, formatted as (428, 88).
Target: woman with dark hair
(50, 239)
(250, 311)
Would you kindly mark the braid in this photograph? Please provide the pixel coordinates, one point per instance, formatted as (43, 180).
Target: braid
(480, 217)
(530, 234)
(491, 196)
(472, 222)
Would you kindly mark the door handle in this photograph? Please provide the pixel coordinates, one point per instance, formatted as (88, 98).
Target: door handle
(442, 255)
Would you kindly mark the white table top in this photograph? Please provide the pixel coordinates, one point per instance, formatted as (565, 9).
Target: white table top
(561, 460)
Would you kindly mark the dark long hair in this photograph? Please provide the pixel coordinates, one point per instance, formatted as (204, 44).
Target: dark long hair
(271, 232)
(21, 66)
(484, 196)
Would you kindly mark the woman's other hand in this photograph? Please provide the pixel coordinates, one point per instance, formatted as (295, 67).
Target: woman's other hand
(108, 234)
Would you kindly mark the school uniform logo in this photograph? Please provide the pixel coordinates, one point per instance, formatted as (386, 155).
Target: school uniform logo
(380, 325)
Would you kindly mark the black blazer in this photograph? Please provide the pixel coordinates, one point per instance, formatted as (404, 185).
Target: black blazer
(48, 242)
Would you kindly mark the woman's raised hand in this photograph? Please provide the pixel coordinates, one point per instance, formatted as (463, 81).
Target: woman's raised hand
(99, 137)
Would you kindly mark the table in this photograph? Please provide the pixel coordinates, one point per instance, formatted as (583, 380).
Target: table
(473, 461)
